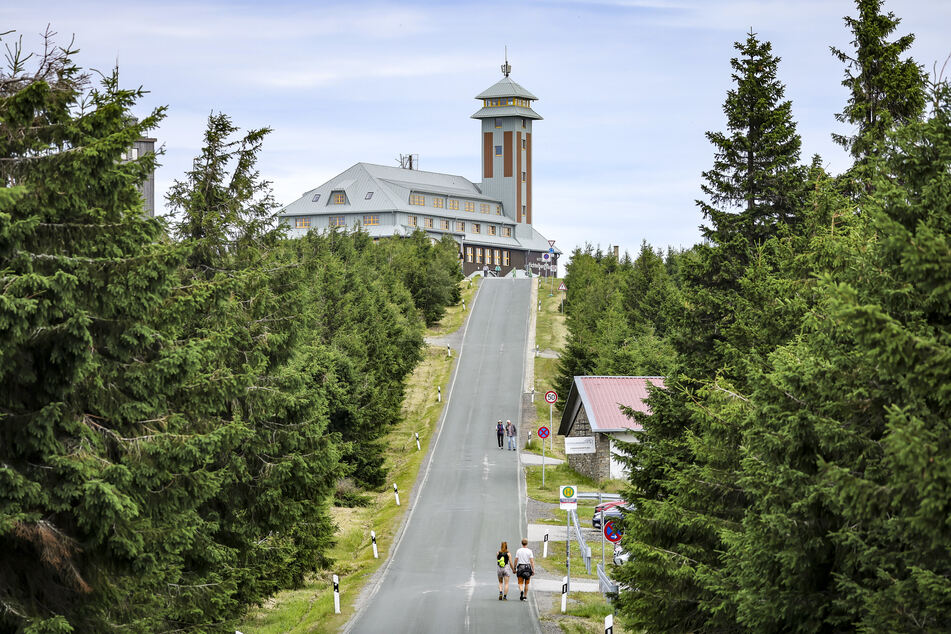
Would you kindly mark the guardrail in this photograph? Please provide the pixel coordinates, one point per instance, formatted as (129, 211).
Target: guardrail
(604, 582)
(600, 497)
(582, 545)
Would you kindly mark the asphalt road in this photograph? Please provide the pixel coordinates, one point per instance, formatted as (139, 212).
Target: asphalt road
(442, 576)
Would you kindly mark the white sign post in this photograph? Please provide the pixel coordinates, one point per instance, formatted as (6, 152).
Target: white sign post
(609, 624)
(376, 553)
(568, 496)
(564, 594)
(396, 492)
(336, 594)
(417, 441)
(545, 547)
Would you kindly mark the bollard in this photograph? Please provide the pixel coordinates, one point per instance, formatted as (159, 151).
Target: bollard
(376, 553)
(438, 394)
(609, 624)
(336, 594)
(545, 547)
(396, 492)
(417, 441)
(539, 305)
(463, 305)
(536, 349)
(564, 594)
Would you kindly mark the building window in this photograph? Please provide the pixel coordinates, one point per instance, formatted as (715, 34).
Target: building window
(468, 254)
(476, 227)
(470, 206)
(417, 199)
(336, 221)
(453, 204)
(438, 203)
(498, 150)
(523, 177)
(491, 229)
(371, 219)
(484, 208)
(301, 223)
(524, 142)
(523, 122)
(315, 198)
(488, 256)
(411, 221)
(498, 123)
(428, 223)
(444, 224)
(505, 258)
(523, 210)
(478, 255)
(339, 198)
(460, 226)
(368, 196)
(507, 232)
(498, 257)
(498, 210)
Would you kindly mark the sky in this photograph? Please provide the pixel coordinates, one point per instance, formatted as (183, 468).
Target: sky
(626, 88)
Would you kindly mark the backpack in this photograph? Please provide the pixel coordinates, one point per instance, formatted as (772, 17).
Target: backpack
(501, 561)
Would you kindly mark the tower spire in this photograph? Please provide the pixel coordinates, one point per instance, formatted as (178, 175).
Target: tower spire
(506, 68)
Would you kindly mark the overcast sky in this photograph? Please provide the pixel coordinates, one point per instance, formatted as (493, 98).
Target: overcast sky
(627, 88)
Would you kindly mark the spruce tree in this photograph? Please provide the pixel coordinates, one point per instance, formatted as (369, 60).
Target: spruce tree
(885, 91)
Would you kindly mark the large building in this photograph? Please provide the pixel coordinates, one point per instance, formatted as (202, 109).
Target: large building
(491, 221)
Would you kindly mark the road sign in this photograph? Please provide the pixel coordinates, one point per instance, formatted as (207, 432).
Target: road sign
(545, 256)
(569, 498)
(551, 250)
(551, 243)
(611, 532)
(551, 397)
(562, 287)
(579, 444)
(543, 432)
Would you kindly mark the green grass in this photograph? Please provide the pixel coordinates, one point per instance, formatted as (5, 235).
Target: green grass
(559, 475)
(455, 315)
(310, 609)
(555, 563)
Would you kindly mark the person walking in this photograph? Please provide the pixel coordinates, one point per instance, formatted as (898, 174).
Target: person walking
(500, 432)
(524, 568)
(504, 562)
(511, 433)
(485, 271)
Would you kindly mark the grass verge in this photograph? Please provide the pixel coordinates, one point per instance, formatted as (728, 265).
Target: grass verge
(310, 608)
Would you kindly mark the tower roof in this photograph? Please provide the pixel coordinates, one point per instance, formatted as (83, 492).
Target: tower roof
(505, 87)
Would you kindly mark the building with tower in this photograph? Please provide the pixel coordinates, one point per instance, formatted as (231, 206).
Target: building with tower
(491, 220)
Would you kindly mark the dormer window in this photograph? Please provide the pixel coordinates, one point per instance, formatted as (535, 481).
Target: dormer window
(339, 198)
(315, 198)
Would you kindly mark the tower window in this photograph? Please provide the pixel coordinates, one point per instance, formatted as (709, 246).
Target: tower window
(524, 143)
(498, 123)
(368, 196)
(453, 204)
(315, 198)
(523, 177)
(498, 150)
(417, 199)
(523, 122)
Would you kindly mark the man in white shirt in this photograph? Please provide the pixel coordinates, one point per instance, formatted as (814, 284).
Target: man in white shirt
(524, 568)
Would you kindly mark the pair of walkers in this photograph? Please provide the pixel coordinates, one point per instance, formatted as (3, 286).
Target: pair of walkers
(506, 430)
(522, 564)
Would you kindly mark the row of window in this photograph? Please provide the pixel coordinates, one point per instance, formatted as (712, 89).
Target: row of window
(458, 225)
(338, 221)
(438, 202)
(498, 122)
(501, 256)
(506, 101)
(339, 198)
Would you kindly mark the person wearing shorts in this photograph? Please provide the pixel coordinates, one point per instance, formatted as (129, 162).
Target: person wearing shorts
(503, 562)
(524, 568)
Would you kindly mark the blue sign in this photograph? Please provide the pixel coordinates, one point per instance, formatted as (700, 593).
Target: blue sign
(551, 250)
(611, 532)
(543, 432)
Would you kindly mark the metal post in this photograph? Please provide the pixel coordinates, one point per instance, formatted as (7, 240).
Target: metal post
(543, 462)
(551, 444)
(602, 536)
(567, 550)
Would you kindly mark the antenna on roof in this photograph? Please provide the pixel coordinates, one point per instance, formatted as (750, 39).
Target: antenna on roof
(506, 67)
(408, 161)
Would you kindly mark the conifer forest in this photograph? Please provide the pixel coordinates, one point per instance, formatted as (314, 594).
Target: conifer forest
(181, 396)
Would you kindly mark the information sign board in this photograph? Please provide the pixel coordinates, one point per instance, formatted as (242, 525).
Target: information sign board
(569, 498)
(579, 444)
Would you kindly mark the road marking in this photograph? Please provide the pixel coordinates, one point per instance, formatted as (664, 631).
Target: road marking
(485, 467)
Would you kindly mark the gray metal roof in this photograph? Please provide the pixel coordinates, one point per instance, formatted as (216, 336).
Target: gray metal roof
(505, 87)
(506, 111)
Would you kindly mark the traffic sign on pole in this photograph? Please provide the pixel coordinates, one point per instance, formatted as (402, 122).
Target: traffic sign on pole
(562, 287)
(543, 432)
(569, 498)
(611, 532)
(551, 396)
(551, 243)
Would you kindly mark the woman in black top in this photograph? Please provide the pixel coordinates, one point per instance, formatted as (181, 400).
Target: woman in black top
(503, 561)
(500, 432)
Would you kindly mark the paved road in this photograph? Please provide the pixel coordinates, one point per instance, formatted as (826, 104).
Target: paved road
(442, 576)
